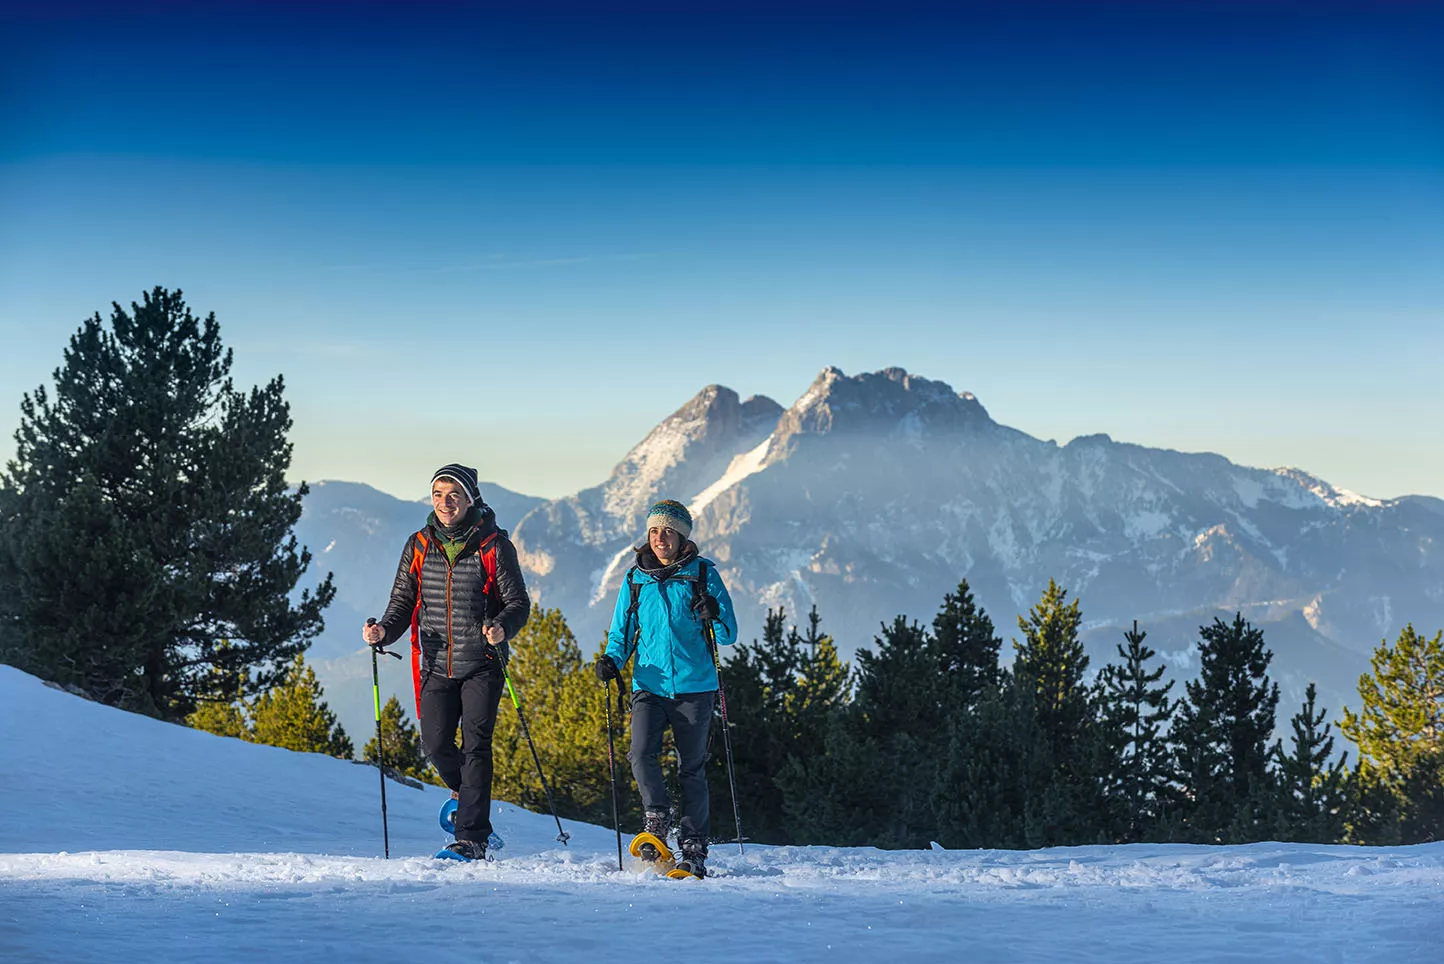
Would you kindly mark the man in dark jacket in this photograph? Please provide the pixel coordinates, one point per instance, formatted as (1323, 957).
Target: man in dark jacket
(460, 589)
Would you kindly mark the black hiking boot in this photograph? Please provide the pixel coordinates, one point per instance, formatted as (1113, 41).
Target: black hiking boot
(468, 849)
(694, 857)
(654, 822)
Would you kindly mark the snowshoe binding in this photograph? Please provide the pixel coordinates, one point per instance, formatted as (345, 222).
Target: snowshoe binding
(693, 862)
(650, 846)
(652, 851)
(465, 850)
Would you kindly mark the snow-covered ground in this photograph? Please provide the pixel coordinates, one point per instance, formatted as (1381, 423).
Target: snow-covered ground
(125, 839)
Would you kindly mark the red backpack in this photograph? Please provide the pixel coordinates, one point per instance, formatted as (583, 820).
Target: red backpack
(421, 545)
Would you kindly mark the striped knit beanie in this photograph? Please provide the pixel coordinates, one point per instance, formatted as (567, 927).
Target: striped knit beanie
(671, 515)
(462, 476)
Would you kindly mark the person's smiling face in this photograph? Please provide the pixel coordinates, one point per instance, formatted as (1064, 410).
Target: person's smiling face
(449, 501)
(665, 543)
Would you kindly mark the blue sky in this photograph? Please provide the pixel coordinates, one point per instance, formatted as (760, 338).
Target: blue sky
(1215, 227)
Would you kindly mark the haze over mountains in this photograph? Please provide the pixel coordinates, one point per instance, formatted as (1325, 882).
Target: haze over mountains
(873, 494)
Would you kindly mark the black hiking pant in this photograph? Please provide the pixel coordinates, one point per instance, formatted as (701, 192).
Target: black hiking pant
(472, 700)
(690, 717)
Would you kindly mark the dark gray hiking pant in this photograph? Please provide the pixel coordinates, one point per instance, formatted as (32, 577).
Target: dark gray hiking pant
(690, 717)
(472, 700)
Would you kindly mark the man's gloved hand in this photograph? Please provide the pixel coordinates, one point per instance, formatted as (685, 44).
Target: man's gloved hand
(606, 669)
(706, 606)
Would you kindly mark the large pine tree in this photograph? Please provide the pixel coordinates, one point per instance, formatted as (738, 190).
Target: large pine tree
(1221, 737)
(1311, 783)
(1400, 734)
(990, 762)
(976, 797)
(146, 552)
(822, 685)
(1066, 765)
(1137, 714)
(873, 782)
(1051, 657)
(757, 678)
(781, 694)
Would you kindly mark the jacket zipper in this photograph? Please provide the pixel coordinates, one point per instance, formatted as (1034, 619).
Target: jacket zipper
(450, 567)
(449, 640)
(672, 646)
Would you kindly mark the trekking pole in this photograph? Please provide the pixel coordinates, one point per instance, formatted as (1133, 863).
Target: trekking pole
(612, 765)
(380, 747)
(562, 835)
(726, 728)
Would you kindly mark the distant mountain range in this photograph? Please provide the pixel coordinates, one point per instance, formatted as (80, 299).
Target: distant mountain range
(874, 494)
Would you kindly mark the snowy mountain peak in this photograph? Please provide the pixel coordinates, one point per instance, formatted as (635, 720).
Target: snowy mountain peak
(887, 402)
(711, 428)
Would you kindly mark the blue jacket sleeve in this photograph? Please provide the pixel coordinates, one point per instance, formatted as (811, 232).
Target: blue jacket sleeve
(616, 635)
(725, 625)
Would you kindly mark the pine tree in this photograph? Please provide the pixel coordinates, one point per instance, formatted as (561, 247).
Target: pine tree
(1400, 735)
(976, 799)
(1052, 659)
(294, 715)
(990, 762)
(222, 719)
(1221, 737)
(965, 647)
(402, 743)
(1136, 716)
(873, 782)
(755, 679)
(1066, 766)
(823, 684)
(781, 694)
(1312, 791)
(145, 546)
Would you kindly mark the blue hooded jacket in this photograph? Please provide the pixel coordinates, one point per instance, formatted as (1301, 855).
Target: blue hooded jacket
(666, 635)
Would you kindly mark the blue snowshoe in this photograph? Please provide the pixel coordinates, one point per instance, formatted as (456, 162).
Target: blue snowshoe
(463, 850)
(447, 819)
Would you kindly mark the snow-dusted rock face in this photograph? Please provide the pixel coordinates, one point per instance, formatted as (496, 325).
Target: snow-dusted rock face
(575, 550)
(874, 494)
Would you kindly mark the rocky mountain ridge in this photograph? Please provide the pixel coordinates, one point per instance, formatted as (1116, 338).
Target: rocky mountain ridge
(873, 494)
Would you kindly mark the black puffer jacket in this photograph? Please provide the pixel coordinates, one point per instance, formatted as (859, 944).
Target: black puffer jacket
(453, 605)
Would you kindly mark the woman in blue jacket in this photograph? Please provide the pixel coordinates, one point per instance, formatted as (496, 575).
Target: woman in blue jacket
(667, 599)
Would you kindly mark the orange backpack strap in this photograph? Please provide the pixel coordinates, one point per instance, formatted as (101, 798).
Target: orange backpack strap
(419, 546)
(487, 552)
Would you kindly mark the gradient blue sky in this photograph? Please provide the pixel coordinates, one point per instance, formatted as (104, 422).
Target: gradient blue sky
(1207, 227)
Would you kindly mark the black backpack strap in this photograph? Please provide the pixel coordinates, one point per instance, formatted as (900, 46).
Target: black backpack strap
(699, 589)
(636, 595)
(699, 582)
